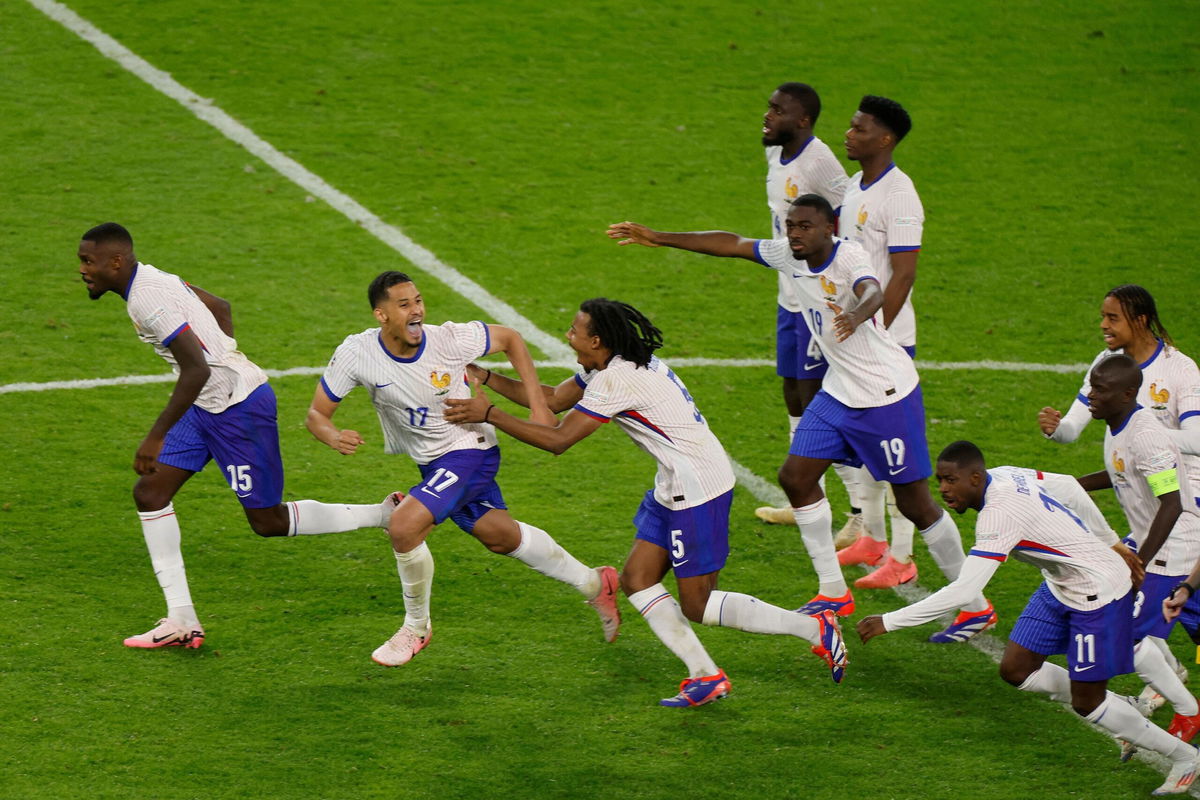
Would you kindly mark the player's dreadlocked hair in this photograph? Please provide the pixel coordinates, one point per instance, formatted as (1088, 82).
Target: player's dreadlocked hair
(1136, 302)
(623, 329)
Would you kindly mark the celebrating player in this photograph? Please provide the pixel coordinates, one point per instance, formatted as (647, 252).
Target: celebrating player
(409, 369)
(221, 409)
(882, 212)
(799, 163)
(1170, 389)
(1083, 608)
(1150, 478)
(683, 522)
(869, 409)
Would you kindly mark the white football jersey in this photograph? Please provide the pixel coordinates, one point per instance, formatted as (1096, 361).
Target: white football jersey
(885, 217)
(654, 407)
(1170, 389)
(1021, 518)
(1137, 450)
(867, 370)
(162, 306)
(409, 394)
(814, 170)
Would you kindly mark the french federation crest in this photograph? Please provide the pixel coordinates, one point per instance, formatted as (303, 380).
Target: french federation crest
(1159, 397)
(441, 382)
(791, 189)
(829, 288)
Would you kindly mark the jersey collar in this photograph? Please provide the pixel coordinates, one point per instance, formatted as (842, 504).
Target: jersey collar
(133, 274)
(417, 355)
(1153, 355)
(832, 255)
(783, 162)
(865, 186)
(1121, 426)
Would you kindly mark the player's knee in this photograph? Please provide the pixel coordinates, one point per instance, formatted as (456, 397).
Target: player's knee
(148, 497)
(693, 609)
(268, 528)
(1013, 673)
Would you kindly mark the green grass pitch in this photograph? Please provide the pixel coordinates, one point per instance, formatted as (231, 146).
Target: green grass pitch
(1052, 148)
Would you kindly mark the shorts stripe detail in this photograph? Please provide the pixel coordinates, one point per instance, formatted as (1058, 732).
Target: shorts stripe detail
(170, 513)
(646, 609)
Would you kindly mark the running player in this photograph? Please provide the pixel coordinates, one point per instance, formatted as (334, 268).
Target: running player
(869, 409)
(683, 522)
(1170, 389)
(799, 163)
(408, 369)
(882, 212)
(1083, 608)
(221, 409)
(1143, 466)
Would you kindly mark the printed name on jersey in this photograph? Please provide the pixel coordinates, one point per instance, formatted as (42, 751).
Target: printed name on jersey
(1020, 483)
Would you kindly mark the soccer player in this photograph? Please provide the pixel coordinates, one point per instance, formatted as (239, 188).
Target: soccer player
(882, 212)
(1170, 389)
(799, 163)
(221, 409)
(869, 410)
(1150, 479)
(683, 522)
(1083, 608)
(409, 369)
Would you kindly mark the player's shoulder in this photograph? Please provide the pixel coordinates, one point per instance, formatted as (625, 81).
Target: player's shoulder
(360, 341)
(1178, 362)
(773, 153)
(851, 253)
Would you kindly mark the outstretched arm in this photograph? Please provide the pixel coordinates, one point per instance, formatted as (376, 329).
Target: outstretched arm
(320, 424)
(193, 374)
(508, 341)
(218, 307)
(709, 243)
(559, 398)
(975, 574)
(555, 439)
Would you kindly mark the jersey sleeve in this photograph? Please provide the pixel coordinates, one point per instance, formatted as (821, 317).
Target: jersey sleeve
(830, 179)
(472, 340)
(1156, 458)
(158, 314)
(339, 376)
(1188, 394)
(974, 575)
(773, 253)
(905, 221)
(603, 397)
(995, 535)
(1077, 416)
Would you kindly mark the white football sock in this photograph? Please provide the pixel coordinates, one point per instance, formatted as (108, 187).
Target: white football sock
(671, 627)
(160, 529)
(816, 530)
(849, 477)
(1172, 661)
(871, 493)
(902, 530)
(308, 517)
(539, 551)
(1050, 680)
(416, 578)
(746, 613)
(1123, 721)
(793, 423)
(945, 546)
(1153, 669)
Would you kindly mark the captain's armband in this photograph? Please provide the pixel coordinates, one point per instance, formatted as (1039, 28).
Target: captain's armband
(1163, 482)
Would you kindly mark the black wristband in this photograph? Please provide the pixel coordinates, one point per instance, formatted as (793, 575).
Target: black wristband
(488, 412)
(1184, 585)
(488, 378)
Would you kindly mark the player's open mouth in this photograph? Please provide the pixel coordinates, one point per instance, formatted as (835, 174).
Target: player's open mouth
(414, 327)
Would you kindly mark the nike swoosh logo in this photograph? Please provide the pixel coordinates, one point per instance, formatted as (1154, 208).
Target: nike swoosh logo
(809, 367)
(158, 639)
(381, 385)
(896, 471)
(239, 494)
(681, 563)
(425, 489)
(1083, 669)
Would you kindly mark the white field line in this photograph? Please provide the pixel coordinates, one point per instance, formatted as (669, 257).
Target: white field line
(502, 312)
(136, 380)
(291, 169)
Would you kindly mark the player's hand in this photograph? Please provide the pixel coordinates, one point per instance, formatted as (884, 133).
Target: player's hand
(468, 410)
(870, 627)
(632, 233)
(347, 442)
(1048, 419)
(145, 460)
(1137, 571)
(844, 322)
(1173, 605)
